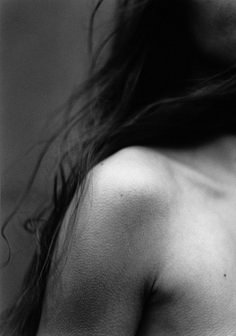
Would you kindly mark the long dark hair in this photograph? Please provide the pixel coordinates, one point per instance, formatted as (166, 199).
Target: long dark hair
(143, 92)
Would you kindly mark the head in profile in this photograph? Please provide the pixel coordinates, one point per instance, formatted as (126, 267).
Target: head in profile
(168, 81)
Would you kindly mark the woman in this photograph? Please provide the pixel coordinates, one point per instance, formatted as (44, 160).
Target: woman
(140, 237)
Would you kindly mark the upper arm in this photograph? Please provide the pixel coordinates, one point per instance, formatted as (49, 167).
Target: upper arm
(107, 277)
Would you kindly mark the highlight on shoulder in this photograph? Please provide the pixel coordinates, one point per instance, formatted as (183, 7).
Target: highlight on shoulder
(134, 185)
(139, 169)
(131, 189)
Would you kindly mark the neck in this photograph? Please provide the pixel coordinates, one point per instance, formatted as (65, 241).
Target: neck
(216, 160)
(221, 152)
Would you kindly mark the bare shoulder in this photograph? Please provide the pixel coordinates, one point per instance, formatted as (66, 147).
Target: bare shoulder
(135, 182)
(114, 251)
(108, 270)
(125, 210)
(138, 173)
(128, 199)
(127, 196)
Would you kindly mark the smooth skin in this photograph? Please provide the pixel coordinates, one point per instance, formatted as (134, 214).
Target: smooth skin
(153, 251)
(214, 28)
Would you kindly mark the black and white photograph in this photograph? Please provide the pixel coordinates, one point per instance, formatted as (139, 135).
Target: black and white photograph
(118, 167)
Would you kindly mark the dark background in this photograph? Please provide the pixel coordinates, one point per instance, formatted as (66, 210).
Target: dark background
(43, 55)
